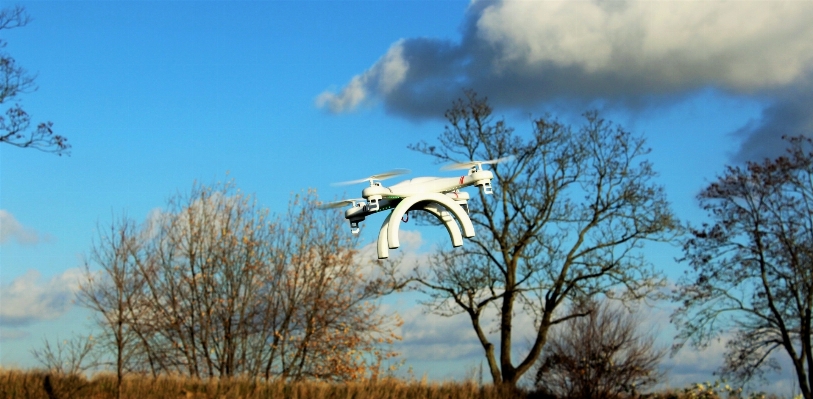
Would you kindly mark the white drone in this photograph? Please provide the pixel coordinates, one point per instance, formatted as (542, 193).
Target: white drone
(440, 196)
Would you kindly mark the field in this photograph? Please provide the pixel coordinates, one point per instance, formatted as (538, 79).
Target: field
(17, 384)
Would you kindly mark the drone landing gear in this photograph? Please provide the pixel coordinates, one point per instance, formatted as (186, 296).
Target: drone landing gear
(437, 210)
(442, 206)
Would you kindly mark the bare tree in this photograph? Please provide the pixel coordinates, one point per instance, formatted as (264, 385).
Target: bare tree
(15, 126)
(214, 286)
(114, 293)
(751, 279)
(69, 357)
(565, 223)
(602, 355)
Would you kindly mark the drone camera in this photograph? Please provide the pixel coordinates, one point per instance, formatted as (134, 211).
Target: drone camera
(354, 228)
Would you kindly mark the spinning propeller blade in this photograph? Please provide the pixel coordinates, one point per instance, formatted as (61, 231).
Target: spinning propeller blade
(380, 176)
(478, 164)
(339, 204)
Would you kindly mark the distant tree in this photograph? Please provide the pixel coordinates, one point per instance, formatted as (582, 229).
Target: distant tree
(115, 293)
(214, 286)
(751, 279)
(603, 355)
(567, 218)
(69, 357)
(15, 125)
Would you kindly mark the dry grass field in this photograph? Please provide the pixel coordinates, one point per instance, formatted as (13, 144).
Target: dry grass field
(15, 384)
(18, 384)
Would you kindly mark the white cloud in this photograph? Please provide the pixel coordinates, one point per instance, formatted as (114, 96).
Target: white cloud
(633, 54)
(427, 336)
(525, 52)
(27, 299)
(13, 230)
(742, 45)
(385, 76)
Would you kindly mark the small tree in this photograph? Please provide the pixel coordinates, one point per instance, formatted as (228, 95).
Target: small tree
(114, 293)
(751, 279)
(70, 357)
(567, 219)
(214, 286)
(15, 126)
(602, 355)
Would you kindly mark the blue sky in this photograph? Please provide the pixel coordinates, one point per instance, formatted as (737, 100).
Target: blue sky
(286, 95)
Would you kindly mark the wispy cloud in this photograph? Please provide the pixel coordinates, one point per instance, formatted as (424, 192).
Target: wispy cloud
(28, 299)
(7, 334)
(629, 53)
(13, 230)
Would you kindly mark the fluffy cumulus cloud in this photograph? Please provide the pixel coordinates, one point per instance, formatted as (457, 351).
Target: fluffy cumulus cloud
(671, 45)
(524, 53)
(28, 299)
(13, 230)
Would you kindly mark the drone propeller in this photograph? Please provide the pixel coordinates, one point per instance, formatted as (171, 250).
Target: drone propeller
(339, 204)
(380, 176)
(478, 164)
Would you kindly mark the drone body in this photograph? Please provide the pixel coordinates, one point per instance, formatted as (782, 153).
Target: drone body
(440, 196)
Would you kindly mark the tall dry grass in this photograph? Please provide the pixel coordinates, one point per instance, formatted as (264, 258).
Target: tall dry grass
(34, 384)
(16, 384)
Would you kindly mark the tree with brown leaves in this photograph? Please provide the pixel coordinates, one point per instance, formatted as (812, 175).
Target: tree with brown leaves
(214, 286)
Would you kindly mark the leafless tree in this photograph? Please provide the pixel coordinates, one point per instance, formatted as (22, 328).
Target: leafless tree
(566, 222)
(214, 286)
(15, 126)
(751, 279)
(603, 355)
(69, 357)
(114, 293)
